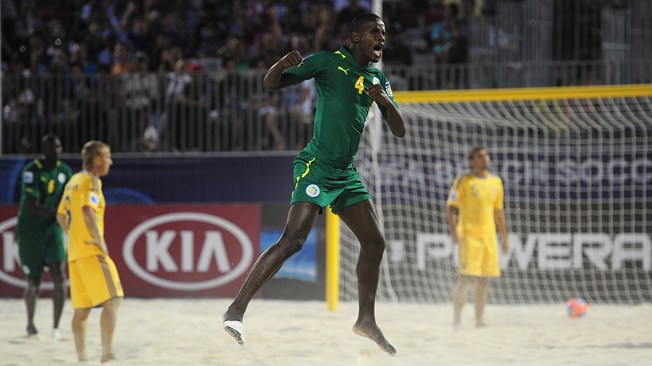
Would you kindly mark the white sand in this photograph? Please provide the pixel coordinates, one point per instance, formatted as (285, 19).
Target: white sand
(189, 332)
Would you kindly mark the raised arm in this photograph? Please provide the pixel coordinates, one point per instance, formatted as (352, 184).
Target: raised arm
(274, 79)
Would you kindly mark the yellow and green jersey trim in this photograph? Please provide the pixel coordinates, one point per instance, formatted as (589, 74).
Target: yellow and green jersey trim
(303, 175)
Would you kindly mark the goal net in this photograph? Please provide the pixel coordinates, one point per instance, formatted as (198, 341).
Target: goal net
(576, 165)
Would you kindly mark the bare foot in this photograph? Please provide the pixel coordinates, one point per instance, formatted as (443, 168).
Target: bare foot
(457, 326)
(480, 324)
(107, 357)
(31, 330)
(373, 332)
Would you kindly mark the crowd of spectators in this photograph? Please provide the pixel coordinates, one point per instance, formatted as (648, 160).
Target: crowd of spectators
(102, 49)
(50, 37)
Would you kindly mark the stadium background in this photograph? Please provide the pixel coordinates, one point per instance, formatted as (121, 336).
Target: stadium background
(209, 146)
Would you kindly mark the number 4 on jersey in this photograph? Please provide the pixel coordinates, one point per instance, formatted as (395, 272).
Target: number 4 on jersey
(359, 84)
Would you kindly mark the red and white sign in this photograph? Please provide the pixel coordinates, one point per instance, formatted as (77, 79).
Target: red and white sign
(163, 250)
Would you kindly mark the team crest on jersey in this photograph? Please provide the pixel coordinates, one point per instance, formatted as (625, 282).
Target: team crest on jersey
(453, 197)
(95, 199)
(28, 177)
(312, 190)
(62, 178)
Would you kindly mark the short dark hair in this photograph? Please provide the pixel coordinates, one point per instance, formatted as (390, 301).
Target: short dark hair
(361, 19)
(475, 150)
(50, 137)
(48, 140)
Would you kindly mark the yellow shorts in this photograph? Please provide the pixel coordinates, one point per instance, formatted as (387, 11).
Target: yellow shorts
(93, 281)
(479, 255)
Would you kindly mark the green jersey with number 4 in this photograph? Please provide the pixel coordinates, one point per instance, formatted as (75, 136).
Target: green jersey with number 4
(342, 102)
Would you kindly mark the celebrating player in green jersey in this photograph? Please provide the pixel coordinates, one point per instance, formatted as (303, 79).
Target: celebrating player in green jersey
(39, 236)
(324, 174)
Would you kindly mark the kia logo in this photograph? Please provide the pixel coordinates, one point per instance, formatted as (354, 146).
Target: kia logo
(157, 239)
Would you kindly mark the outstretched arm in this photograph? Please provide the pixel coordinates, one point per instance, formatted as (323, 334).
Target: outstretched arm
(394, 116)
(274, 79)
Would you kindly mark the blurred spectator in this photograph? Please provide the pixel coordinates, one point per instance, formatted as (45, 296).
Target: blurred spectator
(344, 17)
(325, 26)
(186, 106)
(141, 91)
(226, 111)
(444, 34)
(18, 103)
(122, 64)
(299, 101)
(583, 20)
(264, 107)
(141, 38)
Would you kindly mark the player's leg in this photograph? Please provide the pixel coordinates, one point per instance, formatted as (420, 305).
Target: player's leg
(79, 326)
(108, 322)
(459, 297)
(361, 219)
(59, 295)
(31, 251)
(481, 292)
(489, 267)
(31, 296)
(300, 220)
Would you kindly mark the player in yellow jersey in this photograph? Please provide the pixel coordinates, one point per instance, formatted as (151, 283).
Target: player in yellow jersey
(478, 198)
(94, 280)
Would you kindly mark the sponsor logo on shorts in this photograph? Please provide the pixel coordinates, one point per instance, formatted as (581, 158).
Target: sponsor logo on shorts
(312, 190)
(62, 178)
(28, 177)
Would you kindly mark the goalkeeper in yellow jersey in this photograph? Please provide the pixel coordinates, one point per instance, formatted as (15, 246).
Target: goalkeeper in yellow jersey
(475, 208)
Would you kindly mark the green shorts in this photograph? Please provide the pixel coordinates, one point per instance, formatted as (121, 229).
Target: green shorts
(39, 244)
(322, 184)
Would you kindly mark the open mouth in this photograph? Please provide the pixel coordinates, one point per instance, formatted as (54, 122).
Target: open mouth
(378, 50)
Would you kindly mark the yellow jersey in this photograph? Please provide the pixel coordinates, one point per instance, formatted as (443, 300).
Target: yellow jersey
(83, 189)
(476, 199)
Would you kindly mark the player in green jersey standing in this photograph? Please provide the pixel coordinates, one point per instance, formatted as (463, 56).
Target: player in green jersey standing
(39, 236)
(324, 173)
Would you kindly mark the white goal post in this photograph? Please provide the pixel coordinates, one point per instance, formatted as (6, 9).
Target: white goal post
(577, 169)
